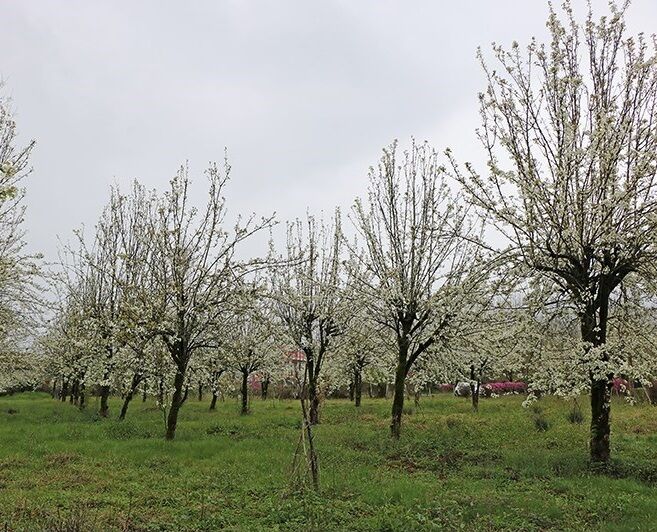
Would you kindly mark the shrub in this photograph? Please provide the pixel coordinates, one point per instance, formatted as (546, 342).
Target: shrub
(501, 388)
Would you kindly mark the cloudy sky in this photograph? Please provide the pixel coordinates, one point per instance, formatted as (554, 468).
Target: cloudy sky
(302, 94)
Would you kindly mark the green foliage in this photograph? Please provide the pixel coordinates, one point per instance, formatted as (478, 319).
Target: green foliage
(63, 469)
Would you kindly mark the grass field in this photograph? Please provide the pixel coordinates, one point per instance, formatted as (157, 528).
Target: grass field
(62, 469)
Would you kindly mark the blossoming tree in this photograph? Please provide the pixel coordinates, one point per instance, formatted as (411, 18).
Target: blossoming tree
(571, 139)
(307, 296)
(195, 272)
(19, 290)
(418, 271)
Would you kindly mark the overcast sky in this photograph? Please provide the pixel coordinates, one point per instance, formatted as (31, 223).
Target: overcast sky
(303, 94)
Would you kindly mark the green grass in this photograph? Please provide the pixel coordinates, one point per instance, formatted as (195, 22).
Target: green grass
(62, 469)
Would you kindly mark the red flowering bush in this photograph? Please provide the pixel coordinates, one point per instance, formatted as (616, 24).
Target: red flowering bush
(501, 388)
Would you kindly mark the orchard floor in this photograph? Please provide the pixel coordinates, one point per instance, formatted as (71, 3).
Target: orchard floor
(62, 469)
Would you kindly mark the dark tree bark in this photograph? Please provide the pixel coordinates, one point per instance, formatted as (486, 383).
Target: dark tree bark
(213, 403)
(74, 392)
(245, 392)
(264, 388)
(53, 392)
(64, 391)
(185, 396)
(180, 354)
(474, 388)
(124, 406)
(176, 403)
(105, 389)
(312, 388)
(600, 426)
(398, 399)
(104, 401)
(216, 375)
(358, 387)
(144, 394)
(214, 386)
(382, 390)
(313, 462)
(83, 398)
(134, 384)
(595, 332)
(403, 345)
(313, 396)
(200, 392)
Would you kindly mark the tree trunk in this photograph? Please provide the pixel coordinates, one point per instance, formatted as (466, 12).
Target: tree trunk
(382, 392)
(134, 384)
(126, 403)
(595, 333)
(474, 389)
(176, 402)
(53, 393)
(264, 388)
(313, 396)
(245, 393)
(358, 387)
(64, 391)
(83, 403)
(398, 399)
(475, 397)
(214, 386)
(314, 464)
(185, 396)
(600, 426)
(74, 392)
(104, 401)
(200, 392)
(143, 394)
(213, 403)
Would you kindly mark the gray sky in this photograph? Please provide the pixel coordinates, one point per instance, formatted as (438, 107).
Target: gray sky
(303, 94)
